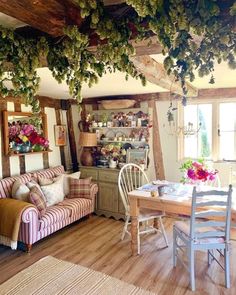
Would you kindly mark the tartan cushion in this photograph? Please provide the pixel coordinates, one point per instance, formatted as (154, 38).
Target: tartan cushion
(79, 188)
(37, 198)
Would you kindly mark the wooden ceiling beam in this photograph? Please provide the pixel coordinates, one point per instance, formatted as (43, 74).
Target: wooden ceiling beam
(217, 93)
(47, 16)
(203, 94)
(113, 2)
(156, 74)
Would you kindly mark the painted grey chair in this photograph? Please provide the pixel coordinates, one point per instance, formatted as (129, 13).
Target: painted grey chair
(204, 233)
(131, 177)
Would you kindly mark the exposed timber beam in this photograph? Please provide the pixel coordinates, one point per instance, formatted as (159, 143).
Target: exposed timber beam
(147, 46)
(113, 2)
(156, 74)
(47, 16)
(203, 94)
(217, 93)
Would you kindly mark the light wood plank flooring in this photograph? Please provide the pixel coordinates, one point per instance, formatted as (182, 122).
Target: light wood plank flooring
(95, 243)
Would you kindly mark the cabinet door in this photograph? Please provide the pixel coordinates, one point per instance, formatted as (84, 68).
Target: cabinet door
(108, 197)
(121, 206)
(85, 173)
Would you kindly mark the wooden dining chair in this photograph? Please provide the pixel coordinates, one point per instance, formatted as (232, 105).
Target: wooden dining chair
(131, 177)
(204, 233)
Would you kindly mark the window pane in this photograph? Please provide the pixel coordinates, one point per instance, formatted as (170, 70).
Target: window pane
(205, 132)
(227, 127)
(199, 144)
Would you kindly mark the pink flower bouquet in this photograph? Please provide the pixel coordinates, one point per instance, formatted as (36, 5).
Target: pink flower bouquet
(197, 171)
(24, 133)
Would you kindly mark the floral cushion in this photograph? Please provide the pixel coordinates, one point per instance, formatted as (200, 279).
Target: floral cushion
(54, 192)
(37, 198)
(20, 191)
(79, 188)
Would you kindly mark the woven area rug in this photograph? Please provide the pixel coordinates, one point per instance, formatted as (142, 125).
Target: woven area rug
(53, 276)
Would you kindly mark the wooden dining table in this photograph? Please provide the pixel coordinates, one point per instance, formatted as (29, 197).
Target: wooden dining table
(171, 202)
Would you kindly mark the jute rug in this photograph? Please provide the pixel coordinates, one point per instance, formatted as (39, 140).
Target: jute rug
(53, 276)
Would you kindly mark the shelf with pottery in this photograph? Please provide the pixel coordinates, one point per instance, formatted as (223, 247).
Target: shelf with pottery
(106, 127)
(12, 154)
(122, 141)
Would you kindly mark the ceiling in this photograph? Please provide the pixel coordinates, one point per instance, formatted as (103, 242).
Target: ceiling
(115, 83)
(108, 85)
(224, 76)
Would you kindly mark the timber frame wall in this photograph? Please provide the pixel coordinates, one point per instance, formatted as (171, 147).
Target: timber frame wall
(66, 105)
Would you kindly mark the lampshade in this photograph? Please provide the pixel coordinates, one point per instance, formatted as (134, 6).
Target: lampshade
(87, 139)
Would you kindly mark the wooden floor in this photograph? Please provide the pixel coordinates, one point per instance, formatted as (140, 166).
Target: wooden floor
(95, 243)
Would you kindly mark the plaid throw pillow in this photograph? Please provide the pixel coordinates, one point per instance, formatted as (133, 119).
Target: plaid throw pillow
(36, 198)
(79, 188)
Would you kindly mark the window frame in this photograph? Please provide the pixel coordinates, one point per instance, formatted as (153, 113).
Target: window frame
(215, 126)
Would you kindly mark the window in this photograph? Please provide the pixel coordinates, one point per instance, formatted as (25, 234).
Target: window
(227, 131)
(216, 138)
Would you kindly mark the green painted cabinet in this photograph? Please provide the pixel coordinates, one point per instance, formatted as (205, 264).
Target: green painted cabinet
(108, 202)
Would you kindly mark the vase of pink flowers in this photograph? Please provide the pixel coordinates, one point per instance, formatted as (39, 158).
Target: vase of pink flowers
(24, 137)
(197, 172)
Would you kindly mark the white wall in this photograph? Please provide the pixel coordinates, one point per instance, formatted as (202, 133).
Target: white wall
(54, 157)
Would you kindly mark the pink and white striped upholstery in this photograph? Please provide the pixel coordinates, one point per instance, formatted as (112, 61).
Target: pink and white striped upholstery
(48, 173)
(33, 228)
(7, 183)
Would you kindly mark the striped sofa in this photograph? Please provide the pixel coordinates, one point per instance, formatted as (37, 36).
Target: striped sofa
(33, 228)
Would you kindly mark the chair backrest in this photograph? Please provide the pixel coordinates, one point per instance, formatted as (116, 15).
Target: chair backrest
(214, 183)
(131, 176)
(209, 205)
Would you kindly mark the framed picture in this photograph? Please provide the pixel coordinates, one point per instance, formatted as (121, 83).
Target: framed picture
(60, 135)
(137, 156)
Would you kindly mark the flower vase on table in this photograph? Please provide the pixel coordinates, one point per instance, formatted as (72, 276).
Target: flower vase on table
(197, 173)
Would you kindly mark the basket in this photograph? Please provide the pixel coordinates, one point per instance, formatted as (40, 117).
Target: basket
(117, 104)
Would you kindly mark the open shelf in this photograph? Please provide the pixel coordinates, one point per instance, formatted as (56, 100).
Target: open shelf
(29, 153)
(122, 141)
(138, 127)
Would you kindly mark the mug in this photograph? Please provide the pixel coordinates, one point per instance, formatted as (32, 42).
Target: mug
(161, 190)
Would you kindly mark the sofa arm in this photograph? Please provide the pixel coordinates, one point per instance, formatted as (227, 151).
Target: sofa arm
(29, 226)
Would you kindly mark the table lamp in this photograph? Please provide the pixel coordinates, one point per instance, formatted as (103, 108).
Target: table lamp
(87, 140)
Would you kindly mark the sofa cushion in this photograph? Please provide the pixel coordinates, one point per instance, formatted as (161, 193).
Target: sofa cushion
(67, 177)
(79, 188)
(54, 214)
(7, 183)
(37, 198)
(20, 191)
(33, 183)
(54, 192)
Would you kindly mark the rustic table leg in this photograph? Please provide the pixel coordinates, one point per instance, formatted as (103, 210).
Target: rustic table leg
(134, 212)
(134, 235)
